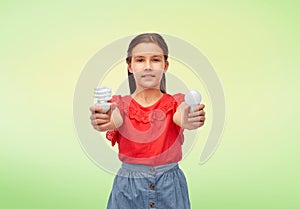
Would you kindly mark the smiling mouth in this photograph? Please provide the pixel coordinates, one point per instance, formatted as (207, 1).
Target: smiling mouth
(148, 76)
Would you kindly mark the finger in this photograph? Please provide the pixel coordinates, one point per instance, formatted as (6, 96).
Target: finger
(194, 119)
(199, 107)
(104, 127)
(97, 128)
(186, 109)
(196, 113)
(99, 116)
(92, 109)
(197, 119)
(197, 124)
(202, 112)
(94, 123)
(202, 119)
(113, 106)
(102, 116)
(98, 109)
(95, 109)
(99, 121)
(93, 117)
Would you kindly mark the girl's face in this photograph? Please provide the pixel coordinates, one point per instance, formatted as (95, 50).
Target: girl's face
(147, 65)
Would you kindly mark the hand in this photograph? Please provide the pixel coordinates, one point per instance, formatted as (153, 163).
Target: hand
(191, 120)
(102, 121)
(197, 117)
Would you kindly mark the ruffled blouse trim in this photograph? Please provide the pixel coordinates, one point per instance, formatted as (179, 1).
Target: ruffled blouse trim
(112, 135)
(137, 112)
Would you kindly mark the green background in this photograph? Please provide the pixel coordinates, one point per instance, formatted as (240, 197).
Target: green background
(254, 47)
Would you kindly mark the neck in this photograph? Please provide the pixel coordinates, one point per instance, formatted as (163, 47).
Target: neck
(147, 96)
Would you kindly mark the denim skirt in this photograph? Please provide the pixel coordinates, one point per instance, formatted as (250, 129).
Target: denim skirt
(149, 187)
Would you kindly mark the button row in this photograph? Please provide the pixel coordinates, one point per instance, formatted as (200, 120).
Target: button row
(152, 187)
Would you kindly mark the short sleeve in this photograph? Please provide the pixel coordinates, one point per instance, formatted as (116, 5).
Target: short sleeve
(119, 101)
(178, 98)
(112, 135)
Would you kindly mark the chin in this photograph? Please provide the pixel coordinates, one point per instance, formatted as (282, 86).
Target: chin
(150, 87)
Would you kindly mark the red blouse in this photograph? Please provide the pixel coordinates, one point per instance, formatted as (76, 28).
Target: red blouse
(148, 135)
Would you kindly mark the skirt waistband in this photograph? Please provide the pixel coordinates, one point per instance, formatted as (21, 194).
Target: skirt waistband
(151, 169)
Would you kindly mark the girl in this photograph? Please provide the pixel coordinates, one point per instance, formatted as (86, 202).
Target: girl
(148, 126)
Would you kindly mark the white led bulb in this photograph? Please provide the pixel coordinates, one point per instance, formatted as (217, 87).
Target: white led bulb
(102, 94)
(193, 98)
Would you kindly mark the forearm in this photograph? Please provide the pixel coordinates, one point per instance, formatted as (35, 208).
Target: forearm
(116, 119)
(177, 117)
(179, 120)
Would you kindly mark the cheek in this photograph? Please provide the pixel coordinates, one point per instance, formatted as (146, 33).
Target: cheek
(136, 68)
(160, 71)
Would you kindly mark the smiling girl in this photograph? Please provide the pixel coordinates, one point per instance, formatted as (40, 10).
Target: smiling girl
(148, 127)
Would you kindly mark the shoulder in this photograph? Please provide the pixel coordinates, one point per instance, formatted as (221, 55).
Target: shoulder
(177, 98)
(123, 102)
(171, 102)
(119, 98)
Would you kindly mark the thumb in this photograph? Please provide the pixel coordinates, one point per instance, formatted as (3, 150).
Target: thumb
(186, 108)
(113, 106)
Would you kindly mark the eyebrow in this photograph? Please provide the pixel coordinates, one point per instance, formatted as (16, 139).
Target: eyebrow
(141, 56)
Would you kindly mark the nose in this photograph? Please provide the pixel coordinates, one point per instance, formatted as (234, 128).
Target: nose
(148, 65)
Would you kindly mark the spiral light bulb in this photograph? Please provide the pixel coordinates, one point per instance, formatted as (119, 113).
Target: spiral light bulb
(103, 94)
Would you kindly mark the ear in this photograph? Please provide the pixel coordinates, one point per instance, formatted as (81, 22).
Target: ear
(129, 67)
(166, 66)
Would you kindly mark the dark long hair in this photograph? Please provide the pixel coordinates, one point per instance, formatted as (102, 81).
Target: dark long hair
(147, 38)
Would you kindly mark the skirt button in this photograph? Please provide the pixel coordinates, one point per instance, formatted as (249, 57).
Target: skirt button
(152, 204)
(152, 186)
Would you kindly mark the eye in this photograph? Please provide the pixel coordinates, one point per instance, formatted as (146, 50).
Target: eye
(139, 60)
(156, 59)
